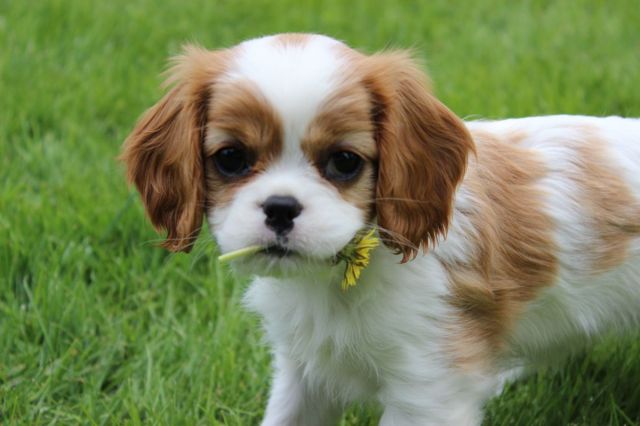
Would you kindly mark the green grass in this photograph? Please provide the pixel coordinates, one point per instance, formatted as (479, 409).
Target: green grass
(99, 326)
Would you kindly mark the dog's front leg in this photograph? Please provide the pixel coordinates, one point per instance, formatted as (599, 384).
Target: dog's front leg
(293, 403)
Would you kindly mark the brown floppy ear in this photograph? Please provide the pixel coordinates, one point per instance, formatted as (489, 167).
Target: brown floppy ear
(423, 150)
(163, 154)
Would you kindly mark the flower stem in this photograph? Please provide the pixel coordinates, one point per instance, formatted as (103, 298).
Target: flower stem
(232, 255)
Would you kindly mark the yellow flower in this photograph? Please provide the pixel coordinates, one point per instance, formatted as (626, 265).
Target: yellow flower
(356, 255)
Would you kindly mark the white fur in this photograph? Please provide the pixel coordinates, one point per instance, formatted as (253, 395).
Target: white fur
(383, 340)
(386, 339)
(294, 79)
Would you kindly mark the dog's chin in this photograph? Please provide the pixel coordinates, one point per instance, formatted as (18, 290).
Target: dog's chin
(282, 262)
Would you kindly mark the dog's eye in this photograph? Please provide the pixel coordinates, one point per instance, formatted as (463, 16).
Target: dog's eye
(343, 166)
(232, 161)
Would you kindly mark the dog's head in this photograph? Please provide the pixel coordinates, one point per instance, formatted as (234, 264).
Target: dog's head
(296, 142)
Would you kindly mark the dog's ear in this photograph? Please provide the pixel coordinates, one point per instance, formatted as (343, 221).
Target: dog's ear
(423, 149)
(163, 154)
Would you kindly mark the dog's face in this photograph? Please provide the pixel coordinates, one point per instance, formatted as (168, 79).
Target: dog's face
(296, 142)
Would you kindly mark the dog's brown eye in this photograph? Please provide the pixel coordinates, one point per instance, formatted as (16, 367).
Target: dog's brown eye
(232, 161)
(343, 166)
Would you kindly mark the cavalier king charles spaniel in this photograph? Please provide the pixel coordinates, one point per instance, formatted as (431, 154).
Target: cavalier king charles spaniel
(504, 244)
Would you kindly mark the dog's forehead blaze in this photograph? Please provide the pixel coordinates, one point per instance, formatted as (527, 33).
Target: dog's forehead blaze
(295, 75)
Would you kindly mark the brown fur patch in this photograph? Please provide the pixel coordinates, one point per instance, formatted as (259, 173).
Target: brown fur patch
(240, 111)
(612, 211)
(423, 150)
(163, 153)
(514, 137)
(343, 123)
(514, 254)
(292, 39)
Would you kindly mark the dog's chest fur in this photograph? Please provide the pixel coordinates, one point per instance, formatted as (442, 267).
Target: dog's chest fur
(348, 343)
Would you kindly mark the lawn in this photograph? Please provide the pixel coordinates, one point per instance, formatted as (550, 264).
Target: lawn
(100, 326)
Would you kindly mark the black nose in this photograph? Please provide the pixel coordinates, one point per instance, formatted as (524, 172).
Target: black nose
(280, 211)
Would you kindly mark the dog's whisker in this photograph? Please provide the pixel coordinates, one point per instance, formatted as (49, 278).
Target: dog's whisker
(388, 236)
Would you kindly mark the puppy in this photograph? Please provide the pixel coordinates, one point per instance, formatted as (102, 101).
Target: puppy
(506, 244)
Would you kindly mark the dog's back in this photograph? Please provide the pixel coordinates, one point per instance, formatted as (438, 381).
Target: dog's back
(589, 189)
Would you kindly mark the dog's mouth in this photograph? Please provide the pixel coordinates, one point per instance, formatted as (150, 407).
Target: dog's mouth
(278, 250)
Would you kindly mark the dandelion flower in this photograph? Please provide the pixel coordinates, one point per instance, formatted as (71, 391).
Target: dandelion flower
(356, 256)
